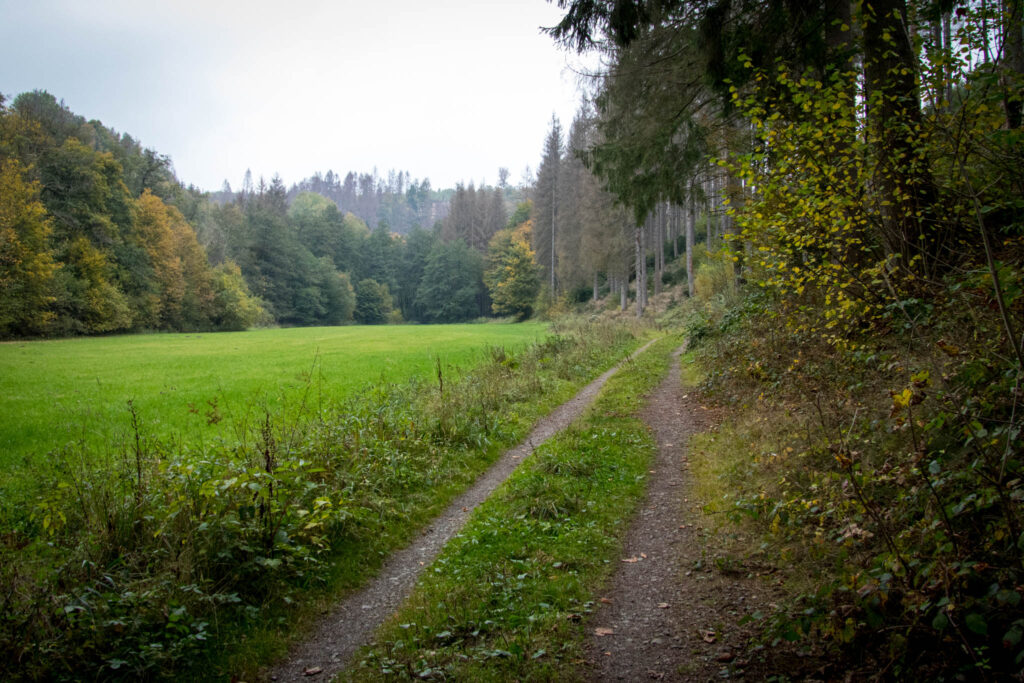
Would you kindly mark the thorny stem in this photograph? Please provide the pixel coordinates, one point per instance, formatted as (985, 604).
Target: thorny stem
(868, 505)
(1011, 334)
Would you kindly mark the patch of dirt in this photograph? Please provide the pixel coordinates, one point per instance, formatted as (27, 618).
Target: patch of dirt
(335, 638)
(673, 607)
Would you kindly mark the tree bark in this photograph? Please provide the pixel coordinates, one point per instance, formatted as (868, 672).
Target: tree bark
(674, 231)
(639, 272)
(1013, 60)
(690, 239)
(624, 289)
(707, 212)
(894, 114)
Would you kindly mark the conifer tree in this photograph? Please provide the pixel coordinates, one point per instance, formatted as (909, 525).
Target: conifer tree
(545, 206)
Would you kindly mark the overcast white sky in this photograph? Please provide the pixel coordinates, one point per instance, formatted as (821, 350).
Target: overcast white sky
(449, 90)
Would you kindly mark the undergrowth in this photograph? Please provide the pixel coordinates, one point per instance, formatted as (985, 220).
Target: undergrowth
(168, 560)
(506, 598)
(884, 478)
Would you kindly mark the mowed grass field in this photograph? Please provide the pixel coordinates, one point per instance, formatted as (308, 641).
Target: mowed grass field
(61, 392)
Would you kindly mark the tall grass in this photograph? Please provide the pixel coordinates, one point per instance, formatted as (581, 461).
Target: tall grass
(162, 558)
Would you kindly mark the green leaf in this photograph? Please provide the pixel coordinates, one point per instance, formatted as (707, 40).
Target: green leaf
(1008, 596)
(940, 622)
(976, 623)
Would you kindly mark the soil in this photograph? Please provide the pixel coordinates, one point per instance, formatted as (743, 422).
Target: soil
(333, 641)
(672, 609)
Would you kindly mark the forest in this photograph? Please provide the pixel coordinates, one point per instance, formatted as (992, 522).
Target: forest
(99, 236)
(858, 172)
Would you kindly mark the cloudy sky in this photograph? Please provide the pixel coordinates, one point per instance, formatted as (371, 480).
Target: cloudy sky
(446, 89)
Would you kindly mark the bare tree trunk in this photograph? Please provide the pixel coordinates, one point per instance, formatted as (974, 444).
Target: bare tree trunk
(1013, 60)
(639, 272)
(658, 242)
(595, 287)
(708, 190)
(947, 40)
(554, 203)
(643, 263)
(905, 187)
(624, 290)
(690, 239)
(674, 231)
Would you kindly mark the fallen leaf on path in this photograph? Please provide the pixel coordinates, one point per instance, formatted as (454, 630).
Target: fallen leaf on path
(709, 636)
(601, 631)
(662, 605)
(643, 555)
(313, 671)
(725, 657)
(606, 601)
(631, 560)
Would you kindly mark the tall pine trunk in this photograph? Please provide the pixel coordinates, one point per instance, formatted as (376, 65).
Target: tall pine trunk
(690, 239)
(639, 272)
(1013, 60)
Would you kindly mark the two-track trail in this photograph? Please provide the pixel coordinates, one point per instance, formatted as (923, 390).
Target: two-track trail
(350, 624)
(668, 613)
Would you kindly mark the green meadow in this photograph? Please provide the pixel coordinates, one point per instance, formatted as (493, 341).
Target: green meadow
(196, 387)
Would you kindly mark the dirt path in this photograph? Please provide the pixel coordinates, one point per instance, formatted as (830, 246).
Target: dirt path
(671, 613)
(338, 635)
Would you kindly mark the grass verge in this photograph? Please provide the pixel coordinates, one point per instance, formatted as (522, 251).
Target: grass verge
(505, 599)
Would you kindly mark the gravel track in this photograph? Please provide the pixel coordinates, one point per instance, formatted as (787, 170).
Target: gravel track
(666, 615)
(327, 649)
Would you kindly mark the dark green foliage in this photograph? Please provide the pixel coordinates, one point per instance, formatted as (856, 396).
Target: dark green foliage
(451, 289)
(299, 260)
(520, 215)
(412, 264)
(373, 302)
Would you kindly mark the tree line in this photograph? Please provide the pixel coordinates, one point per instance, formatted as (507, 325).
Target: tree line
(99, 236)
(93, 238)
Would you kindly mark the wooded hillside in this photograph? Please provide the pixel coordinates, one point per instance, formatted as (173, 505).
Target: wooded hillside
(865, 166)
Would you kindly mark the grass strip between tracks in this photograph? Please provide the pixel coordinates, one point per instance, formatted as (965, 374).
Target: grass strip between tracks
(506, 598)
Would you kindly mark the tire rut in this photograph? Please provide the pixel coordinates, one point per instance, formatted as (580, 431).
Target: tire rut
(662, 611)
(350, 624)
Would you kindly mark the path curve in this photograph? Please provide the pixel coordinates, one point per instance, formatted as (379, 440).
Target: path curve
(351, 623)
